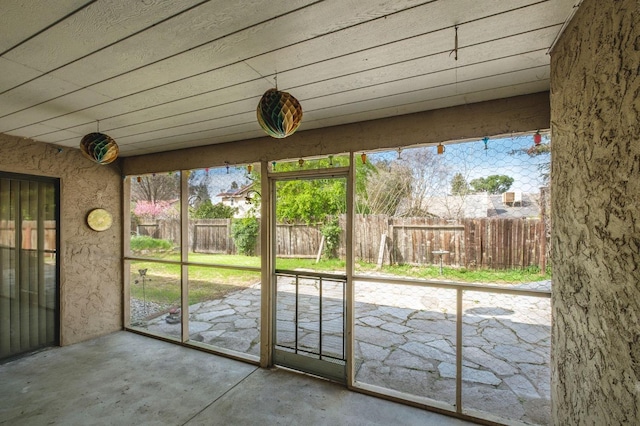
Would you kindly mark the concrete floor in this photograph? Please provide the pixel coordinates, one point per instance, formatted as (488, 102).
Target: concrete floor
(128, 379)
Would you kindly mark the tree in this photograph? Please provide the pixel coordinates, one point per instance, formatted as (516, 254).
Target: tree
(494, 184)
(542, 149)
(427, 176)
(331, 232)
(459, 185)
(245, 235)
(154, 188)
(155, 210)
(386, 184)
(208, 210)
(166, 187)
(310, 200)
(198, 191)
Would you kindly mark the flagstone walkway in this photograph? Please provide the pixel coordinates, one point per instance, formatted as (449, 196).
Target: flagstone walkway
(405, 339)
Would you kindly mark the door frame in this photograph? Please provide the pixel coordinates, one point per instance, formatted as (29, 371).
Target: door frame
(55, 182)
(268, 241)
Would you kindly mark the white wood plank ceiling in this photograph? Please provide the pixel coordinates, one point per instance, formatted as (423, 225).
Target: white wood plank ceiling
(162, 75)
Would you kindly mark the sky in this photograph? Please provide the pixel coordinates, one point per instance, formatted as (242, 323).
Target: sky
(474, 161)
(469, 158)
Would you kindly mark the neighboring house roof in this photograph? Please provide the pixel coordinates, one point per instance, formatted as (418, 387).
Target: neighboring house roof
(482, 205)
(527, 207)
(237, 198)
(235, 193)
(458, 206)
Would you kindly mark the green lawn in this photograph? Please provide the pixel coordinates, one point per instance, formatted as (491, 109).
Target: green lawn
(206, 283)
(488, 276)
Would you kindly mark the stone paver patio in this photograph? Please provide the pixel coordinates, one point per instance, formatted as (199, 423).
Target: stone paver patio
(405, 339)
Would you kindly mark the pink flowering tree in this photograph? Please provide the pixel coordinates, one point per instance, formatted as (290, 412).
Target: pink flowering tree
(153, 210)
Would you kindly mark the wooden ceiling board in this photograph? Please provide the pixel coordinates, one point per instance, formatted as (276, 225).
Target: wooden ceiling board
(183, 88)
(191, 130)
(163, 53)
(75, 101)
(203, 120)
(504, 46)
(62, 136)
(75, 37)
(209, 134)
(14, 73)
(163, 63)
(159, 75)
(210, 117)
(16, 105)
(343, 63)
(210, 104)
(21, 19)
(448, 98)
(159, 97)
(405, 101)
(428, 18)
(180, 63)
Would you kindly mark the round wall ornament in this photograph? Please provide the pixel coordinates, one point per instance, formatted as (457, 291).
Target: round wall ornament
(99, 220)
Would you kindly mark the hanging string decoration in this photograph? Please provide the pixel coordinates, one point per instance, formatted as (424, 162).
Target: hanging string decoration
(99, 148)
(279, 113)
(537, 138)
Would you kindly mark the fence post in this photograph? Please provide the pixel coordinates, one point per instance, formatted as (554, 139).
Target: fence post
(383, 240)
(543, 231)
(392, 242)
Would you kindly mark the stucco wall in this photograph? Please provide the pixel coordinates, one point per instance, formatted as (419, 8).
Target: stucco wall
(595, 124)
(91, 271)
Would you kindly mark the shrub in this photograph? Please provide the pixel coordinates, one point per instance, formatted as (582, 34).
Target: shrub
(208, 210)
(331, 232)
(245, 235)
(144, 242)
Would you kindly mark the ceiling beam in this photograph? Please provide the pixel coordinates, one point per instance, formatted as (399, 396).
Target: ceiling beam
(501, 117)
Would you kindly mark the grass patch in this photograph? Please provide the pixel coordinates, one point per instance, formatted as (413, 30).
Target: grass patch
(145, 242)
(496, 276)
(162, 284)
(209, 283)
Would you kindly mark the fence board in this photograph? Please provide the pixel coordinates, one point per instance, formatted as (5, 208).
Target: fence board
(473, 243)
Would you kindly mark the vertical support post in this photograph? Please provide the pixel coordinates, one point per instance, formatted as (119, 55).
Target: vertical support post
(295, 319)
(126, 251)
(320, 320)
(459, 351)
(184, 254)
(350, 303)
(42, 294)
(15, 263)
(23, 266)
(267, 288)
(5, 265)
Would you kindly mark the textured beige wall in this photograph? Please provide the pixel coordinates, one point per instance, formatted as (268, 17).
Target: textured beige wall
(595, 124)
(91, 265)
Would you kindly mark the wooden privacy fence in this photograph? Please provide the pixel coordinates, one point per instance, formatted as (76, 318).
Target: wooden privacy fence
(29, 234)
(472, 243)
